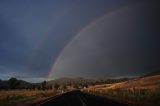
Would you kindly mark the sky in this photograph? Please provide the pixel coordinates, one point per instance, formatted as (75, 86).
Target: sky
(48, 39)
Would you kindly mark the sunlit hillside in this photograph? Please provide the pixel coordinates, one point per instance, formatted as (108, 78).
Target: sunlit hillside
(143, 91)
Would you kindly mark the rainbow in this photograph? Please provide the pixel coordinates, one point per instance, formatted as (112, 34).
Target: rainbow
(87, 27)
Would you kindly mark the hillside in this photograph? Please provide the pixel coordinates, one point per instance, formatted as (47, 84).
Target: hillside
(152, 73)
(150, 82)
(64, 81)
(5, 83)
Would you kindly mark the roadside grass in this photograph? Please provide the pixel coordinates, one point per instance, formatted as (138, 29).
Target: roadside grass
(15, 99)
(11, 100)
(143, 95)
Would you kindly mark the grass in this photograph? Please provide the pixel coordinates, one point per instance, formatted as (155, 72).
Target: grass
(11, 100)
(15, 97)
(137, 96)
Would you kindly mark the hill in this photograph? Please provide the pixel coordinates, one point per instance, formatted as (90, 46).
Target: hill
(22, 84)
(65, 81)
(152, 73)
(150, 81)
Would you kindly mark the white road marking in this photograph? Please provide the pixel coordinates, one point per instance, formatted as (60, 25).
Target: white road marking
(82, 101)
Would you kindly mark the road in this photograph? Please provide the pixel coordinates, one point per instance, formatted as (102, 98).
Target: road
(78, 98)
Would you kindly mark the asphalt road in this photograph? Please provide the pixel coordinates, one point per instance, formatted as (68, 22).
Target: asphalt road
(78, 98)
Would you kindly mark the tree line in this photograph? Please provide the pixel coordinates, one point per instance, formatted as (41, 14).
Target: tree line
(13, 83)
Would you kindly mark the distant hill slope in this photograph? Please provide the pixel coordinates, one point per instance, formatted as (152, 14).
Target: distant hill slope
(150, 81)
(64, 81)
(5, 83)
(152, 73)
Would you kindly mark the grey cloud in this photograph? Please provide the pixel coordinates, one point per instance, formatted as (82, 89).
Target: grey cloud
(121, 43)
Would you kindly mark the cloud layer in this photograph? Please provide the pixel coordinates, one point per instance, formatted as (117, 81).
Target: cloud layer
(124, 42)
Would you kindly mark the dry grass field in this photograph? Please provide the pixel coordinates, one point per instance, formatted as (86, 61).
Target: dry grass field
(24, 97)
(151, 83)
(11, 93)
(144, 91)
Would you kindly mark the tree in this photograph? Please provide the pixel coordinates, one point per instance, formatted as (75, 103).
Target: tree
(64, 87)
(49, 88)
(44, 84)
(13, 83)
(75, 86)
(56, 86)
(39, 87)
(33, 87)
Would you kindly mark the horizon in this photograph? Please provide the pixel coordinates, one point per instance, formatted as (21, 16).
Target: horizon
(40, 80)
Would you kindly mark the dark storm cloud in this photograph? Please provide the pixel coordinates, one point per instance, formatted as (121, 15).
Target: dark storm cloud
(124, 42)
(33, 34)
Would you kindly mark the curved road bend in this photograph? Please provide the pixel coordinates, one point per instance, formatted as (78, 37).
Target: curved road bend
(78, 98)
